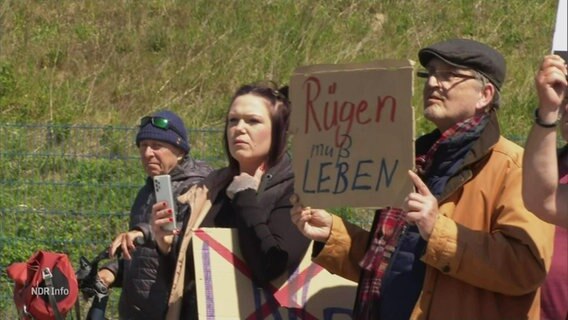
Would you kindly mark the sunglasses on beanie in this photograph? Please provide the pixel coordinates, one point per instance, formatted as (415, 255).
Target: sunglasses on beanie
(159, 122)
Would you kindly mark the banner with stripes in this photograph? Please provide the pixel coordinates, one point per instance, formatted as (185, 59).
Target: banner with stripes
(225, 289)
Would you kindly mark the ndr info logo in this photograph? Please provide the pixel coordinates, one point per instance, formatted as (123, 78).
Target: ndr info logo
(43, 291)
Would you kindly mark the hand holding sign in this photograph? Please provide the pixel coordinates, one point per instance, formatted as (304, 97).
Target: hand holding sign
(422, 207)
(315, 224)
(353, 133)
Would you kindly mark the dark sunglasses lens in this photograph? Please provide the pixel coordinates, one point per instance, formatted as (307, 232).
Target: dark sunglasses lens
(157, 122)
(161, 123)
(144, 121)
(423, 74)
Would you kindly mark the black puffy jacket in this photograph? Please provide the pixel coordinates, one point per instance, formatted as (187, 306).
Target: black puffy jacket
(143, 295)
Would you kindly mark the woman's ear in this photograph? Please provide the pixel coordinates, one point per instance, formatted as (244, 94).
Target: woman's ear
(486, 96)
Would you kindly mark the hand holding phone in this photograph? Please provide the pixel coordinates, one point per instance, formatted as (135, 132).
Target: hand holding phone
(163, 191)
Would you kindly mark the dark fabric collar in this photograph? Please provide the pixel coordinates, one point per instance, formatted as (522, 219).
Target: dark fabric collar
(451, 151)
(219, 180)
(487, 140)
(282, 171)
(179, 170)
(478, 150)
(182, 171)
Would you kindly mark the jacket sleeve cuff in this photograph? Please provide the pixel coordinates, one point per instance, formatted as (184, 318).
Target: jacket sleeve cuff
(112, 267)
(146, 231)
(317, 247)
(442, 251)
(246, 207)
(116, 268)
(335, 255)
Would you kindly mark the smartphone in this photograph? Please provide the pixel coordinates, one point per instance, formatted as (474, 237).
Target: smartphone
(163, 191)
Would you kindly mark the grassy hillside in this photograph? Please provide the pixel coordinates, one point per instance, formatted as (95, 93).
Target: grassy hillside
(110, 62)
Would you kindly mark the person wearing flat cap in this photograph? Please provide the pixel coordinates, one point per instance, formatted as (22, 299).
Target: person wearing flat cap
(164, 149)
(463, 246)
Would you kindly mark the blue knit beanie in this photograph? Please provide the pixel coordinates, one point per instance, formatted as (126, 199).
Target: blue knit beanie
(178, 139)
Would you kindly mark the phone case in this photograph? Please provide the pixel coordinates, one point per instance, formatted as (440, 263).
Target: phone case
(163, 190)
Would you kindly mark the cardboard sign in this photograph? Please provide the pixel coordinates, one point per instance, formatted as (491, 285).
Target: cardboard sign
(225, 290)
(560, 39)
(353, 133)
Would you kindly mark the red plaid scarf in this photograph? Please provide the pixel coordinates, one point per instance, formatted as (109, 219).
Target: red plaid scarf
(390, 226)
(388, 229)
(424, 161)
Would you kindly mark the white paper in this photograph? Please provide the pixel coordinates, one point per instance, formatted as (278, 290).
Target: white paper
(559, 42)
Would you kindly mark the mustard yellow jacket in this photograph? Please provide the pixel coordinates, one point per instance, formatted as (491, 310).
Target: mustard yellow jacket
(487, 255)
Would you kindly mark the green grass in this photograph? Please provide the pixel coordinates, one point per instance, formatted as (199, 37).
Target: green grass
(111, 62)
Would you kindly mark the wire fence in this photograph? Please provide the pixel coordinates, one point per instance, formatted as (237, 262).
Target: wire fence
(69, 188)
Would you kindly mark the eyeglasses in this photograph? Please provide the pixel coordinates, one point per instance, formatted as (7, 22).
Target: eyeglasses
(444, 76)
(160, 123)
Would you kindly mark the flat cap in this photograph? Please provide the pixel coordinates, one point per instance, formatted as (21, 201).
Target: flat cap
(465, 53)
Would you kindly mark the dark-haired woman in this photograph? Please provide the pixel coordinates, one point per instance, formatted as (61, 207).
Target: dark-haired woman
(251, 195)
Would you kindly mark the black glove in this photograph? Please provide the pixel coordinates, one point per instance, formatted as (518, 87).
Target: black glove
(94, 287)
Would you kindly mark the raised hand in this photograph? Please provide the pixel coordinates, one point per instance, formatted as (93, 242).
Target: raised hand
(315, 224)
(421, 207)
(551, 84)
